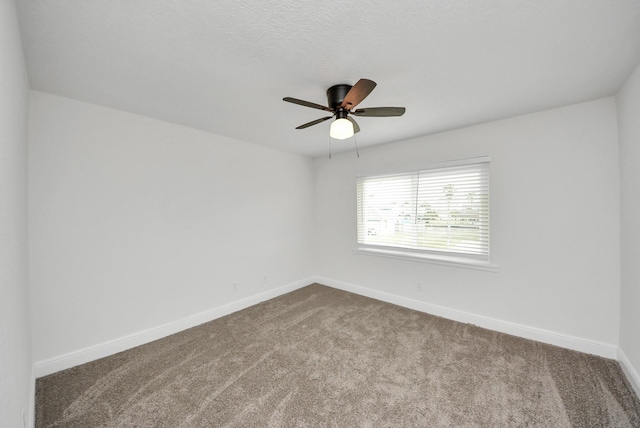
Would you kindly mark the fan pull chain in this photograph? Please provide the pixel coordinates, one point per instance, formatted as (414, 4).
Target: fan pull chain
(355, 140)
(329, 148)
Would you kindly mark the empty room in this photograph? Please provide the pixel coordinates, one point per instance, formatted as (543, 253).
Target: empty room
(289, 214)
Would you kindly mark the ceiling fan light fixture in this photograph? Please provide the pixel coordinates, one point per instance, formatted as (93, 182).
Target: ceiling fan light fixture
(342, 100)
(341, 129)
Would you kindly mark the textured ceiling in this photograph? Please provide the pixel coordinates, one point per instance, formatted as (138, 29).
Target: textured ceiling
(224, 66)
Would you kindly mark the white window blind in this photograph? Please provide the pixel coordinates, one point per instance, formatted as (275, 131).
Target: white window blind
(434, 211)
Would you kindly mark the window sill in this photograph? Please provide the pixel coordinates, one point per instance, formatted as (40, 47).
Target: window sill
(429, 258)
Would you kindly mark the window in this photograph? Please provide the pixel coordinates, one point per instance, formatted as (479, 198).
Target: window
(437, 214)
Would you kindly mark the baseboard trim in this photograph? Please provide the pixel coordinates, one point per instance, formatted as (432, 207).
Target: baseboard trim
(565, 341)
(31, 416)
(629, 371)
(72, 359)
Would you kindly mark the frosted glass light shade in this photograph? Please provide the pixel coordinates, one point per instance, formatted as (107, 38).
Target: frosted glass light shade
(341, 129)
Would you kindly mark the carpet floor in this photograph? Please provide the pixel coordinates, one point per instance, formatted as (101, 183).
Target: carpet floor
(321, 357)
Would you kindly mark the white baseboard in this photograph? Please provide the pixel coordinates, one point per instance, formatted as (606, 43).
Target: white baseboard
(72, 359)
(30, 418)
(629, 371)
(540, 335)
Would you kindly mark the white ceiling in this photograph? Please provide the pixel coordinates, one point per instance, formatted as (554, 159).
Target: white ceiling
(225, 65)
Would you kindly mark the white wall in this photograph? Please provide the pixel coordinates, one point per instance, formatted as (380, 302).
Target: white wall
(135, 223)
(16, 378)
(628, 101)
(554, 223)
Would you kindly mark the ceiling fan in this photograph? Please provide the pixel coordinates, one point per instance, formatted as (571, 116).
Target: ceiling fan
(342, 99)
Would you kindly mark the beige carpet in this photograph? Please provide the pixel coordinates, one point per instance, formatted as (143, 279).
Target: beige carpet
(322, 357)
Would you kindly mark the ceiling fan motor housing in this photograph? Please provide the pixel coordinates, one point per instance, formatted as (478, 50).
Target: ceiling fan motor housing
(336, 94)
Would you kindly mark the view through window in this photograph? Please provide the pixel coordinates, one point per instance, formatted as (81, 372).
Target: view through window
(433, 211)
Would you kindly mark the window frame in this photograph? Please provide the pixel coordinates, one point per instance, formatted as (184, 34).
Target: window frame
(450, 258)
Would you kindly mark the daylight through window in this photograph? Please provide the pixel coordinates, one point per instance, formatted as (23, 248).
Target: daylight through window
(441, 211)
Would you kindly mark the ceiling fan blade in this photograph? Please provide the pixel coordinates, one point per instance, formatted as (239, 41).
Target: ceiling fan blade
(306, 103)
(379, 111)
(356, 128)
(357, 93)
(315, 122)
